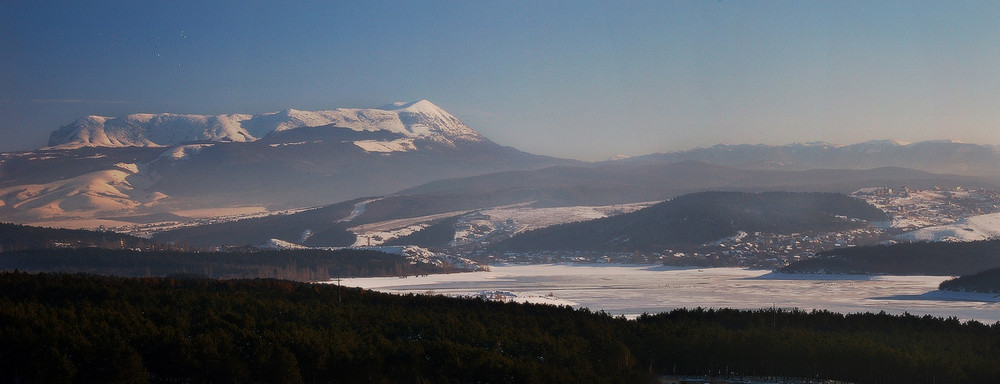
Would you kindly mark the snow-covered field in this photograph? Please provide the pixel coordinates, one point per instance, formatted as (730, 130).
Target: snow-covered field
(982, 227)
(528, 218)
(631, 290)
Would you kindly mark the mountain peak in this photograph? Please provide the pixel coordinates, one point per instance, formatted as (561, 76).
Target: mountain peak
(414, 120)
(419, 104)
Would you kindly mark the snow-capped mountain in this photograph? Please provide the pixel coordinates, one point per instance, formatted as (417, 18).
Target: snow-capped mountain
(151, 164)
(417, 120)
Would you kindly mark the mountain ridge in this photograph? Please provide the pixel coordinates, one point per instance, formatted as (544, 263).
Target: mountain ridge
(418, 119)
(937, 156)
(144, 164)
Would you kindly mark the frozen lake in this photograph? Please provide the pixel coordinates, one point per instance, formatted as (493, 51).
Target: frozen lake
(631, 290)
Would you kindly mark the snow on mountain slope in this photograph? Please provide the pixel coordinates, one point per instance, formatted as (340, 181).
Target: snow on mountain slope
(399, 145)
(184, 151)
(421, 119)
(982, 227)
(110, 190)
(149, 130)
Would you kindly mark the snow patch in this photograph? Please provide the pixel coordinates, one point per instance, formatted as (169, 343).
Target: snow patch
(527, 218)
(130, 168)
(380, 232)
(368, 238)
(398, 145)
(291, 144)
(281, 245)
(982, 227)
(184, 151)
(359, 208)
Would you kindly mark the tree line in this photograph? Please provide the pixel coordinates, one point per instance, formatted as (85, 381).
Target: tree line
(919, 258)
(14, 237)
(85, 328)
(987, 281)
(300, 265)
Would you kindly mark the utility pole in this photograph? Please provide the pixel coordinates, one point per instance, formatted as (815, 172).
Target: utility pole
(339, 299)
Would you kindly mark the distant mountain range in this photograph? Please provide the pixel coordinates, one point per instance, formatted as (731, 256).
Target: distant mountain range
(943, 156)
(158, 167)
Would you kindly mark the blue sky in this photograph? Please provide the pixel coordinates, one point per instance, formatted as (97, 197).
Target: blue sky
(576, 79)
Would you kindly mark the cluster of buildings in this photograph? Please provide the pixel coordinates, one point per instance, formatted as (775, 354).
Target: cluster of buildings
(917, 208)
(754, 250)
(544, 257)
(771, 250)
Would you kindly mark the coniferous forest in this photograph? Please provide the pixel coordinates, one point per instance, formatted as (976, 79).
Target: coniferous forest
(86, 328)
(300, 265)
(987, 281)
(920, 258)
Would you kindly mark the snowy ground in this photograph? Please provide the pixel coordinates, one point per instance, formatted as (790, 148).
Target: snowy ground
(982, 227)
(632, 290)
(475, 226)
(528, 218)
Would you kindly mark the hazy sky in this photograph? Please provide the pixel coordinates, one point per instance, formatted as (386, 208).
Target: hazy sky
(577, 79)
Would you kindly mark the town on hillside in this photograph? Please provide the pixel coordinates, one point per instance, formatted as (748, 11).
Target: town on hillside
(909, 209)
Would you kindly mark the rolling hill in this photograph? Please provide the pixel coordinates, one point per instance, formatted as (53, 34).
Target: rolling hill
(702, 217)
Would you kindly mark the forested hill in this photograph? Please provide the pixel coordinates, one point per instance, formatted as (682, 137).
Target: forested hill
(703, 217)
(923, 258)
(78, 328)
(987, 281)
(22, 237)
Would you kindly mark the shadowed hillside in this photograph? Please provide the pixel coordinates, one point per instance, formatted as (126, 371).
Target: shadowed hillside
(702, 217)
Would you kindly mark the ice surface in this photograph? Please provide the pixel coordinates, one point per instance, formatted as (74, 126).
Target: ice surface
(635, 289)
